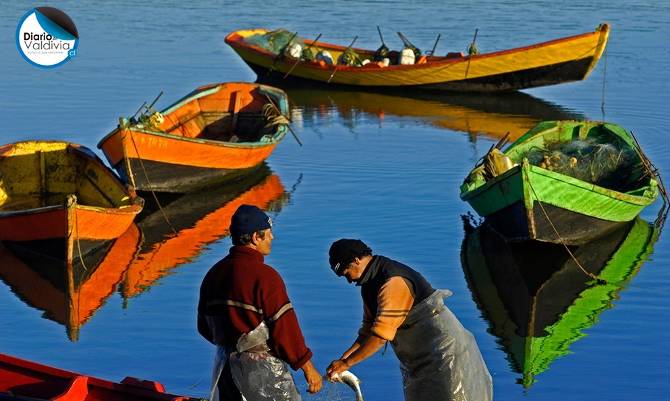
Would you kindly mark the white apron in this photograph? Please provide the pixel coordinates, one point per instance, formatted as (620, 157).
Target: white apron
(258, 375)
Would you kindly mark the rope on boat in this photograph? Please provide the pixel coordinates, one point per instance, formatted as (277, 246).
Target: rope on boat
(602, 101)
(652, 172)
(76, 232)
(277, 114)
(151, 187)
(553, 227)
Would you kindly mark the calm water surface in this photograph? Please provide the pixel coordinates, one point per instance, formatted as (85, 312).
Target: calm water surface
(382, 168)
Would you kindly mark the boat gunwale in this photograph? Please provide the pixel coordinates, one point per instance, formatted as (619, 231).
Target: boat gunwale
(35, 369)
(583, 185)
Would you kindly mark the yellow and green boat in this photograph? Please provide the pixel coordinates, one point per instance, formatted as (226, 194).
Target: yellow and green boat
(534, 297)
(536, 190)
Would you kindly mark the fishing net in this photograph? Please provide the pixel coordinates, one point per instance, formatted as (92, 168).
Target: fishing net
(350, 57)
(273, 41)
(603, 164)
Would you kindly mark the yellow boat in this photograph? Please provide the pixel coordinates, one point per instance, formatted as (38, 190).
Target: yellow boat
(495, 115)
(557, 61)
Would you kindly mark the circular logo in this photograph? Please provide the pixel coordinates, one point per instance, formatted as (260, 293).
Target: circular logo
(46, 37)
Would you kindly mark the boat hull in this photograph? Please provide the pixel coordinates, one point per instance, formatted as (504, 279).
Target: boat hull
(570, 71)
(531, 203)
(548, 63)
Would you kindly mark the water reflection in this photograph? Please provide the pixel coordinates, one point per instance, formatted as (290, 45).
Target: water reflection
(39, 275)
(536, 300)
(147, 251)
(178, 231)
(491, 115)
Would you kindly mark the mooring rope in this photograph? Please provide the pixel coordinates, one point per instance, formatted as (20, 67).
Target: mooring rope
(579, 265)
(602, 99)
(151, 187)
(76, 229)
(652, 172)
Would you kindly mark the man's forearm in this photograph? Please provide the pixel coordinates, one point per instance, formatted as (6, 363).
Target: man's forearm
(356, 345)
(367, 346)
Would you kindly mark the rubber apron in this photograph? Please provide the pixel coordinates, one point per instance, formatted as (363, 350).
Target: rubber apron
(258, 375)
(439, 358)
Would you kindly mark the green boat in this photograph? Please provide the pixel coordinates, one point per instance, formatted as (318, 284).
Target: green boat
(536, 300)
(564, 182)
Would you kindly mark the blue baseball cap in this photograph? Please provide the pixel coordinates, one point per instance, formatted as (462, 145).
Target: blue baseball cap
(249, 219)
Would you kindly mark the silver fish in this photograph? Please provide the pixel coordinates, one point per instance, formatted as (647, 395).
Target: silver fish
(350, 380)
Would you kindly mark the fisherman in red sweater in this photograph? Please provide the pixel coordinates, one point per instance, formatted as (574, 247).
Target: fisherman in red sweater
(245, 311)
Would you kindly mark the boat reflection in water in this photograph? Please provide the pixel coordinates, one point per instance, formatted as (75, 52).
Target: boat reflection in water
(178, 231)
(147, 251)
(68, 294)
(491, 115)
(536, 299)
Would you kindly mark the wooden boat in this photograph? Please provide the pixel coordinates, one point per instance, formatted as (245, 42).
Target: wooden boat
(195, 220)
(494, 115)
(24, 380)
(216, 133)
(58, 190)
(557, 61)
(525, 201)
(68, 295)
(534, 297)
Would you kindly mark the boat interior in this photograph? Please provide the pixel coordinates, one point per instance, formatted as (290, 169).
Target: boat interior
(592, 152)
(233, 113)
(39, 174)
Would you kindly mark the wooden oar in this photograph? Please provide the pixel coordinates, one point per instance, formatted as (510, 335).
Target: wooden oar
(345, 50)
(154, 102)
(281, 54)
(467, 68)
(409, 45)
(382, 51)
(381, 37)
(432, 52)
(298, 60)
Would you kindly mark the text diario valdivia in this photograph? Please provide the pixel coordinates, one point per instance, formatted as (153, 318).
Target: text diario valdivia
(43, 41)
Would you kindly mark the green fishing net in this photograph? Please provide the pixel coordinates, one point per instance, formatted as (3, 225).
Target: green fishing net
(603, 164)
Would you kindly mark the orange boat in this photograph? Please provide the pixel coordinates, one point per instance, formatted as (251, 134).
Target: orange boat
(24, 380)
(216, 133)
(58, 190)
(69, 298)
(198, 219)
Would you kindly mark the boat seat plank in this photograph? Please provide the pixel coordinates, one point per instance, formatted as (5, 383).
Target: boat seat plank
(236, 105)
(77, 390)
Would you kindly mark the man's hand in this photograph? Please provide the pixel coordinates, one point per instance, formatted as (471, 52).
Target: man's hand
(335, 368)
(313, 378)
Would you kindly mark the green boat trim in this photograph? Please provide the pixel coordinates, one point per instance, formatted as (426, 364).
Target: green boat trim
(533, 354)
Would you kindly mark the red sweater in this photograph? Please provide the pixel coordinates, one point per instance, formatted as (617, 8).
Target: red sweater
(240, 292)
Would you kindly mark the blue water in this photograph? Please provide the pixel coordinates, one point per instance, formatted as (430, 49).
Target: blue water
(366, 170)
